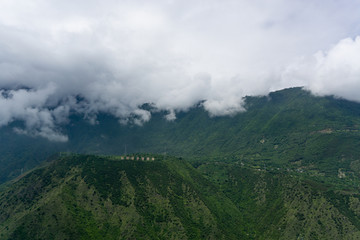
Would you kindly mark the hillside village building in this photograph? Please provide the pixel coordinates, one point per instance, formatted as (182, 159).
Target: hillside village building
(137, 158)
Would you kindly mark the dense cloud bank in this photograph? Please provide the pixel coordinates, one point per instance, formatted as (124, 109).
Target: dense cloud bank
(114, 56)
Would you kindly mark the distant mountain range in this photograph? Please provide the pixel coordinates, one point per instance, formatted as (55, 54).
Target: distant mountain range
(289, 128)
(286, 168)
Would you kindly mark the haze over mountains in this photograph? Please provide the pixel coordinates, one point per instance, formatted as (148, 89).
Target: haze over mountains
(288, 126)
(117, 56)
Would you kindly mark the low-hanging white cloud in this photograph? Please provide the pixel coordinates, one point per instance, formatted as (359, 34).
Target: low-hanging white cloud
(30, 107)
(118, 55)
(332, 72)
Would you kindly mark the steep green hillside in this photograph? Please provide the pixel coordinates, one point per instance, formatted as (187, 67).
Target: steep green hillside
(289, 128)
(91, 197)
(283, 205)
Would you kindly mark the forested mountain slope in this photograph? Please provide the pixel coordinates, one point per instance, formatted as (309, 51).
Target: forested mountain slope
(289, 128)
(94, 197)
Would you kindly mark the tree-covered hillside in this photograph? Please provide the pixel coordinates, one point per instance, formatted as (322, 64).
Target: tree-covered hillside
(289, 128)
(89, 197)
(94, 197)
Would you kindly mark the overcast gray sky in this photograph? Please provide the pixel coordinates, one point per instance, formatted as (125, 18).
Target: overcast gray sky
(118, 55)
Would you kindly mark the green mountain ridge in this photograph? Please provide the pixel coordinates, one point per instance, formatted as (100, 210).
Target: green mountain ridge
(99, 197)
(286, 168)
(288, 128)
(89, 197)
